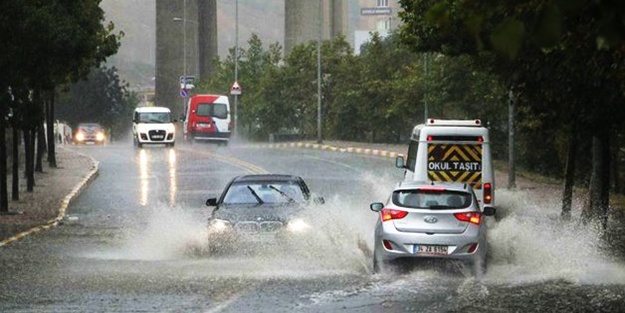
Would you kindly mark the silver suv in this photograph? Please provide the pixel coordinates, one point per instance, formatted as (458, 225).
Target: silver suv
(431, 221)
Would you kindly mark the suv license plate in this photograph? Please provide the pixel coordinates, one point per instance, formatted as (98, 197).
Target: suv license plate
(425, 249)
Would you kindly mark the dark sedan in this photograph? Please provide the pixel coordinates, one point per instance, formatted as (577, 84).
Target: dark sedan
(258, 209)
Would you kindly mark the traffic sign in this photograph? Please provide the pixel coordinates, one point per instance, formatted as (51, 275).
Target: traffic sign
(376, 11)
(235, 89)
(187, 79)
(184, 92)
(187, 82)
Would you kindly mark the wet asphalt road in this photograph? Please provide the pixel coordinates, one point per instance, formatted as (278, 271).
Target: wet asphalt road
(134, 242)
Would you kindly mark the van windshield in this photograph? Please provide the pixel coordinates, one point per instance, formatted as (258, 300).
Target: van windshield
(218, 110)
(153, 117)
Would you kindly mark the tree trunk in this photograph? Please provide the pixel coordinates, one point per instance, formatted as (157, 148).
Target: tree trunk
(50, 129)
(605, 178)
(569, 177)
(28, 156)
(4, 197)
(16, 165)
(614, 166)
(599, 194)
(41, 148)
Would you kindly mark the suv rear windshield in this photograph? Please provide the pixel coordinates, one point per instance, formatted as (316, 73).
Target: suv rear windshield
(432, 199)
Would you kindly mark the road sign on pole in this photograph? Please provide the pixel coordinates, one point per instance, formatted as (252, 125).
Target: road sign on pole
(187, 82)
(184, 92)
(235, 89)
(376, 11)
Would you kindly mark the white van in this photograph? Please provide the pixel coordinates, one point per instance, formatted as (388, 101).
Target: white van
(452, 151)
(153, 125)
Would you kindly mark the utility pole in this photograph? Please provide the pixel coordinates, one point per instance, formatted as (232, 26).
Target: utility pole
(184, 54)
(427, 82)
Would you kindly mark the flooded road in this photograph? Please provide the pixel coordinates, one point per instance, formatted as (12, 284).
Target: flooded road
(134, 241)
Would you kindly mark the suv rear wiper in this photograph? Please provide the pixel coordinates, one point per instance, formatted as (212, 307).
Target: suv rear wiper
(440, 207)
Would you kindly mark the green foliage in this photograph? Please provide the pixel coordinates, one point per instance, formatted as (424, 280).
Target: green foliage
(375, 96)
(51, 42)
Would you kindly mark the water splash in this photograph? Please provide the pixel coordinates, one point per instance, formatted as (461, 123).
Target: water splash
(531, 244)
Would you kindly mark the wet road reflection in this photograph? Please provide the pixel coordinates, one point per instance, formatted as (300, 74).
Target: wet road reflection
(173, 183)
(148, 159)
(143, 174)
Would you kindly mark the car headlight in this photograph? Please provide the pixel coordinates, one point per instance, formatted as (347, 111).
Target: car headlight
(297, 226)
(219, 226)
(99, 136)
(80, 136)
(171, 129)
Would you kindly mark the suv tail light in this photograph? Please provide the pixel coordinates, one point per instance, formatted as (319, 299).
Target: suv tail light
(471, 217)
(488, 193)
(392, 214)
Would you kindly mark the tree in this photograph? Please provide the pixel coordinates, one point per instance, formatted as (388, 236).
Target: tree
(547, 49)
(47, 43)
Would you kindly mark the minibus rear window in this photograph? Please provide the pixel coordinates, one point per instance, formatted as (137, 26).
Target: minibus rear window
(218, 110)
(455, 138)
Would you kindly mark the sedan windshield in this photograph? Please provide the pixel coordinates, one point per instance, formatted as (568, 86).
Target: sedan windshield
(266, 192)
(154, 117)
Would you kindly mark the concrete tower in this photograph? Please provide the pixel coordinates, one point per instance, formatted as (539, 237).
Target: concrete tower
(174, 55)
(301, 22)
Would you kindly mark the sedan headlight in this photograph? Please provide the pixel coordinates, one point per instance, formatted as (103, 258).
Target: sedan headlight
(99, 136)
(80, 136)
(219, 226)
(297, 226)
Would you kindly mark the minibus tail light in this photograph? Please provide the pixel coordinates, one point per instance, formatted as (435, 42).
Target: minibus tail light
(488, 193)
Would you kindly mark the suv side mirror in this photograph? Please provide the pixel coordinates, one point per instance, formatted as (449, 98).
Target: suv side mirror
(489, 211)
(211, 202)
(399, 162)
(319, 200)
(376, 206)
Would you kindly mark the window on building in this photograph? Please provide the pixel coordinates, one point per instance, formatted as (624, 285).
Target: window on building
(382, 3)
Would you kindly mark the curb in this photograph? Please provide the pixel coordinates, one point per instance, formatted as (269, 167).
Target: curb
(64, 204)
(365, 151)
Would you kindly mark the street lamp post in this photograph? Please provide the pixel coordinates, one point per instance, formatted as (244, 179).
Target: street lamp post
(236, 68)
(183, 81)
(319, 140)
(184, 40)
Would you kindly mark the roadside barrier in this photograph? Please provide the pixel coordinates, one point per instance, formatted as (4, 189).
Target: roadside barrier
(306, 145)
